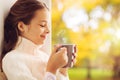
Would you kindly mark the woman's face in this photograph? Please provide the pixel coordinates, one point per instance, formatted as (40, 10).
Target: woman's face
(38, 28)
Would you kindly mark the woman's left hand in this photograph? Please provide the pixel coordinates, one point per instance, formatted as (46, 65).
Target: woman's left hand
(64, 71)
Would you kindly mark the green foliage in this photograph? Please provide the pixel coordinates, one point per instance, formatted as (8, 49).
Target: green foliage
(92, 44)
(81, 74)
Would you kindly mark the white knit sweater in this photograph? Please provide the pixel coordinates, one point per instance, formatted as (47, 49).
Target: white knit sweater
(28, 62)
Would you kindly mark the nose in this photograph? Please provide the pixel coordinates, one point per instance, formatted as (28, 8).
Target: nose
(47, 30)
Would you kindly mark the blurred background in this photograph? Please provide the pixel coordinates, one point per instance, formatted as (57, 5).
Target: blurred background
(94, 26)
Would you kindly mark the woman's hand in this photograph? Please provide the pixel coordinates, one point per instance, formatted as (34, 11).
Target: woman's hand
(64, 71)
(73, 58)
(57, 59)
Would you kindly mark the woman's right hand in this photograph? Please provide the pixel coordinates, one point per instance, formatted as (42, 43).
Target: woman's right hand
(57, 59)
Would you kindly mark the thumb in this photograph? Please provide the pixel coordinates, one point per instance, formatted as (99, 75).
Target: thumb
(62, 50)
(56, 47)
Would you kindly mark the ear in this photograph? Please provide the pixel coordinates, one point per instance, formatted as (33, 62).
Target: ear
(22, 27)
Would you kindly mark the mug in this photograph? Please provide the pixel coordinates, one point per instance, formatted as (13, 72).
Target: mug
(71, 49)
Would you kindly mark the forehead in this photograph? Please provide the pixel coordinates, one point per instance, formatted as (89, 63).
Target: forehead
(41, 15)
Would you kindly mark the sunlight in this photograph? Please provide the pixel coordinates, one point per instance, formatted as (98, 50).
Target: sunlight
(105, 47)
(107, 16)
(97, 12)
(93, 24)
(117, 34)
(74, 17)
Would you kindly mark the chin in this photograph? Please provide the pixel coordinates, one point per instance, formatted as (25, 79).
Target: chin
(40, 43)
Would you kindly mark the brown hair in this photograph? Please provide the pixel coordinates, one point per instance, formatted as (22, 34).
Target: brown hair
(22, 10)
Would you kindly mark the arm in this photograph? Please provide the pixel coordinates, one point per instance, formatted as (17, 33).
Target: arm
(64, 71)
(62, 74)
(16, 69)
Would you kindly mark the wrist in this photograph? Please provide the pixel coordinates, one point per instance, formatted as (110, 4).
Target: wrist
(51, 69)
(50, 76)
(63, 71)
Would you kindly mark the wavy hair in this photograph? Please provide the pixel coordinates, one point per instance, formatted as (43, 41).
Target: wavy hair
(22, 10)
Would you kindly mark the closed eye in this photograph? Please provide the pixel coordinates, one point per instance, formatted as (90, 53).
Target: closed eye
(42, 25)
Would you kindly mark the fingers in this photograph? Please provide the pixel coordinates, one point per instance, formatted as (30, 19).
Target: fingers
(74, 61)
(63, 54)
(63, 50)
(74, 55)
(56, 47)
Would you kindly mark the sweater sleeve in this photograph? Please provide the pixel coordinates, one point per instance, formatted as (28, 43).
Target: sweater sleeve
(16, 69)
(60, 76)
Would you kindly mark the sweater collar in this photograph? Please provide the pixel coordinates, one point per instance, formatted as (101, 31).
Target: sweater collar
(27, 46)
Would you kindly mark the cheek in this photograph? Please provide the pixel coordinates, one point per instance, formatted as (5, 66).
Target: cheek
(41, 30)
(36, 36)
(37, 32)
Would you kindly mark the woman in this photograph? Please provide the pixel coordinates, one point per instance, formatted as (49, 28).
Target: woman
(25, 29)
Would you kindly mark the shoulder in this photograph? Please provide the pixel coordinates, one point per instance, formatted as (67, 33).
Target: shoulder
(12, 56)
(12, 60)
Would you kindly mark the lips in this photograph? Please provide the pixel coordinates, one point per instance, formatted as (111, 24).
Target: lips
(43, 36)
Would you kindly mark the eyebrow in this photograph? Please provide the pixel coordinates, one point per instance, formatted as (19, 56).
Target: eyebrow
(43, 21)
